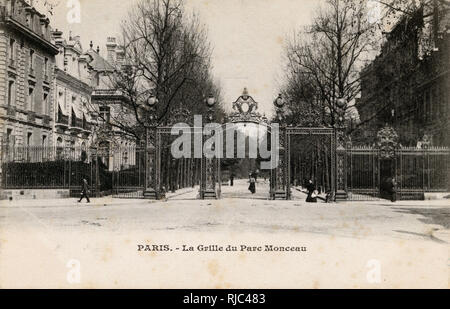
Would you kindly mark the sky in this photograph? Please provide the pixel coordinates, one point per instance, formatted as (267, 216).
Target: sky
(247, 37)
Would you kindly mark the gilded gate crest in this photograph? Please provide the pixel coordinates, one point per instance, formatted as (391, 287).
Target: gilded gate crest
(245, 109)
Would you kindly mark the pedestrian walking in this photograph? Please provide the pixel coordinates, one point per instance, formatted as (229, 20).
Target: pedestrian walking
(252, 186)
(84, 191)
(231, 180)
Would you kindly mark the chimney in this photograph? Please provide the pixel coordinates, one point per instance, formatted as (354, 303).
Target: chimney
(111, 46)
(57, 34)
(57, 38)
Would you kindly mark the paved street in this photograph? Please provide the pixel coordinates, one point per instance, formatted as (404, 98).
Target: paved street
(239, 210)
(39, 237)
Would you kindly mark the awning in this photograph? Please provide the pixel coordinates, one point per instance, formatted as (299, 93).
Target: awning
(77, 111)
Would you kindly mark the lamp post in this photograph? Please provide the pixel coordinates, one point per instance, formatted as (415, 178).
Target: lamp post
(210, 102)
(278, 179)
(341, 156)
(341, 104)
(147, 113)
(279, 104)
(208, 181)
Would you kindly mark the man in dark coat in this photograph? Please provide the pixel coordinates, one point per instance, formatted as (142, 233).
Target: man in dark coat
(84, 191)
(393, 190)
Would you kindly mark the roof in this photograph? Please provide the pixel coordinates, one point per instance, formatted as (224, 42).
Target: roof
(98, 63)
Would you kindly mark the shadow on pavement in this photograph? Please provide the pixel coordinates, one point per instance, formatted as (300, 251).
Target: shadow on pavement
(429, 236)
(437, 216)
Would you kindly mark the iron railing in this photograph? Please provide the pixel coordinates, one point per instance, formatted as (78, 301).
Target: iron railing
(416, 172)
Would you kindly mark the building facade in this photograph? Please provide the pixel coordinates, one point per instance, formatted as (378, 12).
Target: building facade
(112, 107)
(27, 59)
(73, 126)
(407, 85)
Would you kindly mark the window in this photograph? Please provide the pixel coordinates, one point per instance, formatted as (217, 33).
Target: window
(8, 136)
(12, 7)
(31, 62)
(46, 68)
(61, 101)
(29, 138)
(10, 92)
(105, 113)
(12, 55)
(30, 99)
(44, 140)
(45, 107)
(44, 28)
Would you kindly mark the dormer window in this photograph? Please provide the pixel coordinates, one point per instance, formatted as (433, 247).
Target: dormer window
(12, 6)
(29, 20)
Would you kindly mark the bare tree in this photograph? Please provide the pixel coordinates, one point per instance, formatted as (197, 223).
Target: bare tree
(432, 13)
(167, 55)
(327, 57)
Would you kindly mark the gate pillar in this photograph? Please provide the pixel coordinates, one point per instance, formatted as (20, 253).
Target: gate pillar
(279, 188)
(209, 167)
(341, 162)
(341, 155)
(209, 176)
(152, 156)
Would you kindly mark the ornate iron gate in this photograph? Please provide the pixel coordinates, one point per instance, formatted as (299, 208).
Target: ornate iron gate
(329, 142)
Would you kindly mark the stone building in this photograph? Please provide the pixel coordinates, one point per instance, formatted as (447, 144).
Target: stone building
(111, 106)
(72, 111)
(27, 58)
(407, 85)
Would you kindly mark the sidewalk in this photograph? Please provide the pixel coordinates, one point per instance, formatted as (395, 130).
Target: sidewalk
(95, 202)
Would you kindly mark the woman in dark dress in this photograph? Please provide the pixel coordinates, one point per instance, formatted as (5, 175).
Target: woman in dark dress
(311, 188)
(252, 186)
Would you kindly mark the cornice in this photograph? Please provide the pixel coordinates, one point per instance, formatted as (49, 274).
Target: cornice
(72, 81)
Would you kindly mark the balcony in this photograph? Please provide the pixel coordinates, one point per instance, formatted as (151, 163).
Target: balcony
(46, 120)
(11, 111)
(87, 126)
(62, 121)
(76, 124)
(31, 117)
(108, 95)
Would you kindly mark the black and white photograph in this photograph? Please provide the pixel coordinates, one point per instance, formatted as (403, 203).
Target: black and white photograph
(212, 144)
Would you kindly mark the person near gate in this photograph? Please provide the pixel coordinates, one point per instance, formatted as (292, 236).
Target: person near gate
(84, 191)
(393, 190)
(252, 186)
(311, 188)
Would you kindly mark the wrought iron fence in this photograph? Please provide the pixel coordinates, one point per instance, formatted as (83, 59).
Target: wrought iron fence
(416, 172)
(53, 168)
(128, 175)
(118, 171)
